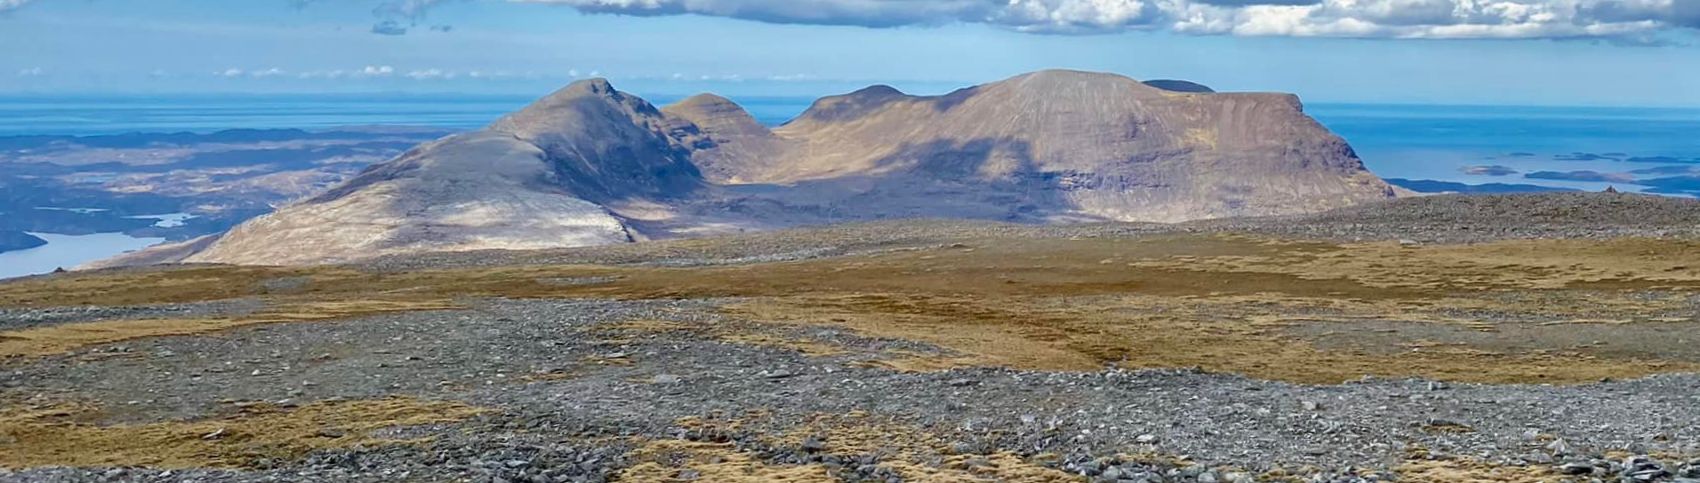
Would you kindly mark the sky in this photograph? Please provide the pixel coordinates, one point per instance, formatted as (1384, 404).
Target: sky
(1531, 52)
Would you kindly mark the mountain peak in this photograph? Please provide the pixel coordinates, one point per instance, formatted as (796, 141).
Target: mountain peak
(1055, 80)
(591, 86)
(1069, 74)
(589, 164)
(875, 91)
(703, 100)
(853, 105)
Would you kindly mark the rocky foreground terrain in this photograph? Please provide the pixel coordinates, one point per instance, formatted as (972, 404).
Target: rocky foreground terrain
(1510, 338)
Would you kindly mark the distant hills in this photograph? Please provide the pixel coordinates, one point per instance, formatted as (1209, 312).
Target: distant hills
(1435, 186)
(591, 165)
(1179, 86)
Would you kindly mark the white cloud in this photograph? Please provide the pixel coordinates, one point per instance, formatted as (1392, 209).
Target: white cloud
(1446, 19)
(11, 4)
(323, 74)
(31, 72)
(367, 72)
(432, 74)
(375, 71)
(384, 71)
(495, 74)
(231, 72)
(272, 72)
(1298, 18)
(408, 9)
(396, 17)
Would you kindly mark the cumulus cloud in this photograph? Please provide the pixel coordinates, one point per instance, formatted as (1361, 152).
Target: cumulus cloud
(1298, 18)
(1027, 15)
(11, 4)
(272, 72)
(1687, 12)
(407, 9)
(235, 72)
(370, 71)
(395, 17)
(1242, 3)
(323, 74)
(432, 74)
(394, 12)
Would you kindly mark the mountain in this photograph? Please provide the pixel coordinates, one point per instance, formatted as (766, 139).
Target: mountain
(590, 165)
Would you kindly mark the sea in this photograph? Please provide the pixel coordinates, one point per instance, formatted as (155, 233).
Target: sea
(1584, 148)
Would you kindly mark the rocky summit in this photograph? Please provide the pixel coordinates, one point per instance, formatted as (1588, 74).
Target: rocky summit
(591, 165)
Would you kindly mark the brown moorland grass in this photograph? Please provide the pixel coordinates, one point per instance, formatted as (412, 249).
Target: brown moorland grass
(59, 435)
(914, 454)
(1230, 303)
(1132, 332)
(56, 339)
(1419, 467)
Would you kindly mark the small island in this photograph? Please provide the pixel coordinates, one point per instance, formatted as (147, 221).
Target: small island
(17, 240)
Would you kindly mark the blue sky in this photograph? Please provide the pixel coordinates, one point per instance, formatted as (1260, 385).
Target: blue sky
(1553, 52)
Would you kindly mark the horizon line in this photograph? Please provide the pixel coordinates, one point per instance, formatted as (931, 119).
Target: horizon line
(396, 94)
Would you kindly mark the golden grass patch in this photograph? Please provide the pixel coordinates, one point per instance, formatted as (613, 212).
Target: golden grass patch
(1222, 302)
(59, 436)
(909, 452)
(60, 338)
(1223, 335)
(1465, 470)
(668, 460)
(1519, 264)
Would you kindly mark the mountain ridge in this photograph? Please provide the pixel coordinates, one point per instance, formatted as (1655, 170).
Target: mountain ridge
(589, 164)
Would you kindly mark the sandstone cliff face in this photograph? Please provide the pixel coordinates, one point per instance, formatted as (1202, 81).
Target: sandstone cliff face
(592, 165)
(1065, 144)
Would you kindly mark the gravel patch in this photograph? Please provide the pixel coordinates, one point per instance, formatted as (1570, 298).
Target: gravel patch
(562, 384)
(1480, 218)
(15, 319)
